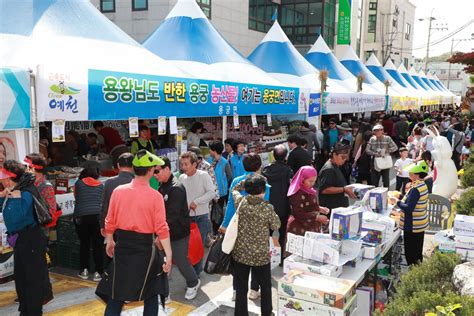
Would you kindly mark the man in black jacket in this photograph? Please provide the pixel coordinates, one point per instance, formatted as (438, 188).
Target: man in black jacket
(298, 156)
(279, 175)
(125, 176)
(177, 217)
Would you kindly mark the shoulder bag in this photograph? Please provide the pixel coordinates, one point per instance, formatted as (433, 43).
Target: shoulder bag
(231, 232)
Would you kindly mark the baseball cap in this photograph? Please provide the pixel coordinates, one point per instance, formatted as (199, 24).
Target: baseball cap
(419, 167)
(377, 127)
(145, 158)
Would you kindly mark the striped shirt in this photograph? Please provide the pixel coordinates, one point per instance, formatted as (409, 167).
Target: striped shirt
(380, 147)
(414, 217)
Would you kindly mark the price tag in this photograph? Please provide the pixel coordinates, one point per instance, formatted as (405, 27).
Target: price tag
(162, 125)
(133, 127)
(173, 125)
(269, 119)
(236, 121)
(58, 131)
(254, 120)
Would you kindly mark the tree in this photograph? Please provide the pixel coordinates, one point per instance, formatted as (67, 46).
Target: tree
(465, 59)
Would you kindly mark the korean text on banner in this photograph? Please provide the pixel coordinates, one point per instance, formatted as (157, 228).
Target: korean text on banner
(62, 93)
(344, 23)
(117, 95)
(314, 105)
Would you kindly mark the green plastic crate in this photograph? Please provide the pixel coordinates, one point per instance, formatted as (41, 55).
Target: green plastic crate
(66, 231)
(68, 256)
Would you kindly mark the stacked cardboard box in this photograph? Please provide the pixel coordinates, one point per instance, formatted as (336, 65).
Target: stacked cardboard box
(300, 294)
(310, 267)
(464, 231)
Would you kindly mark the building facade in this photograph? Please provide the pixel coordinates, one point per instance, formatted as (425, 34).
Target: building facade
(387, 30)
(243, 23)
(454, 78)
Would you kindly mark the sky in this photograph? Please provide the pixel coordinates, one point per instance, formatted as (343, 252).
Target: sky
(448, 13)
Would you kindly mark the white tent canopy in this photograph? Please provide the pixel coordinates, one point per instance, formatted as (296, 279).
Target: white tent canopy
(188, 39)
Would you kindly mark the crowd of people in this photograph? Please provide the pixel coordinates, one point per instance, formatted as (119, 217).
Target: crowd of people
(146, 228)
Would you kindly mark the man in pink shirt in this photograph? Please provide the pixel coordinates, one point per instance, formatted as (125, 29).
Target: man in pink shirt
(137, 218)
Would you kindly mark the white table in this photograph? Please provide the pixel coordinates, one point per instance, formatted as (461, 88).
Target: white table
(357, 273)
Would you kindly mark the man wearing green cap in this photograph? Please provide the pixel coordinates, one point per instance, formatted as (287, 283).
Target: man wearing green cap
(413, 216)
(137, 217)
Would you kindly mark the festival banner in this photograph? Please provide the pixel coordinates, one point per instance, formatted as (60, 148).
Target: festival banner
(14, 99)
(352, 103)
(344, 23)
(314, 105)
(79, 95)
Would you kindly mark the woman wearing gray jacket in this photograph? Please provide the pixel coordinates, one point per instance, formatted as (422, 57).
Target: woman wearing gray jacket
(88, 192)
(457, 142)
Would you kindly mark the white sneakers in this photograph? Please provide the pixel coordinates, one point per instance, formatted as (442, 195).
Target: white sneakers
(254, 295)
(97, 277)
(191, 292)
(84, 274)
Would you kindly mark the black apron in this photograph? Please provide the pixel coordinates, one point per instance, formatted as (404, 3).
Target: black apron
(136, 271)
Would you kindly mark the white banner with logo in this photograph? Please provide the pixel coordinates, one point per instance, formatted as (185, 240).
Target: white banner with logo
(62, 92)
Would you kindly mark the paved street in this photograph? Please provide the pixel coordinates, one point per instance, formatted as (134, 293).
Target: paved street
(74, 296)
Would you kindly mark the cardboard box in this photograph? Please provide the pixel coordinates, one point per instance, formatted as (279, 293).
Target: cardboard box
(353, 263)
(373, 233)
(319, 251)
(275, 252)
(310, 267)
(365, 300)
(6, 265)
(463, 225)
(346, 223)
(378, 199)
(288, 306)
(324, 238)
(318, 289)
(466, 254)
(464, 242)
(360, 189)
(371, 252)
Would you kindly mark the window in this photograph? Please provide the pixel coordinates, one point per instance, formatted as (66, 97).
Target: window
(372, 25)
(139, 5)
(373, 5)
(107, 6)
(205, 7)
(405, 62)
(407, 31)
(261, 15)
(329, 22)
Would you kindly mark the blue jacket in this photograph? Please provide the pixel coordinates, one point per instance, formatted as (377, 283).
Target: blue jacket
(18, 212)
(223, 176)
(230, 210)
(237, 165)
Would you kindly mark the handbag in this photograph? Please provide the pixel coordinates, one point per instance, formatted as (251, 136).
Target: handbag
(381, 163)
(195, 247)
(217, 213)
(217, 261)
(231, 232)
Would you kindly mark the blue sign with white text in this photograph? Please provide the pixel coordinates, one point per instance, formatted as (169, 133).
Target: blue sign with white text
(314, 104)
(117, 95)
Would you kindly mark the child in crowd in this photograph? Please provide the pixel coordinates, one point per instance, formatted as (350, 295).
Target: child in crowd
(426, 157)
(402, 175)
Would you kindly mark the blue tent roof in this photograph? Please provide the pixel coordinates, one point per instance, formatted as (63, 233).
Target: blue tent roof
(418, 80)
(402, 70)
(356, 67)
(321, 57)
(393, 72)
(377, 70)
(186, 34)
(60, 18)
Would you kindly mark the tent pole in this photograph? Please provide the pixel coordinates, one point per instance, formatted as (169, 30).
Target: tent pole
(224, 128)
(33, 133)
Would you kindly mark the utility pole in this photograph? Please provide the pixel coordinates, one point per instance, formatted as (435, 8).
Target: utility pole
(431, 18)
(451, 54)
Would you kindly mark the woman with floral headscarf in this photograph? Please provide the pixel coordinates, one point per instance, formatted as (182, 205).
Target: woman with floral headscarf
(307, 215)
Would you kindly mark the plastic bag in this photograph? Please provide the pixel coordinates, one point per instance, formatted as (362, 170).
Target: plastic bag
(217, 261)
(195, 248)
